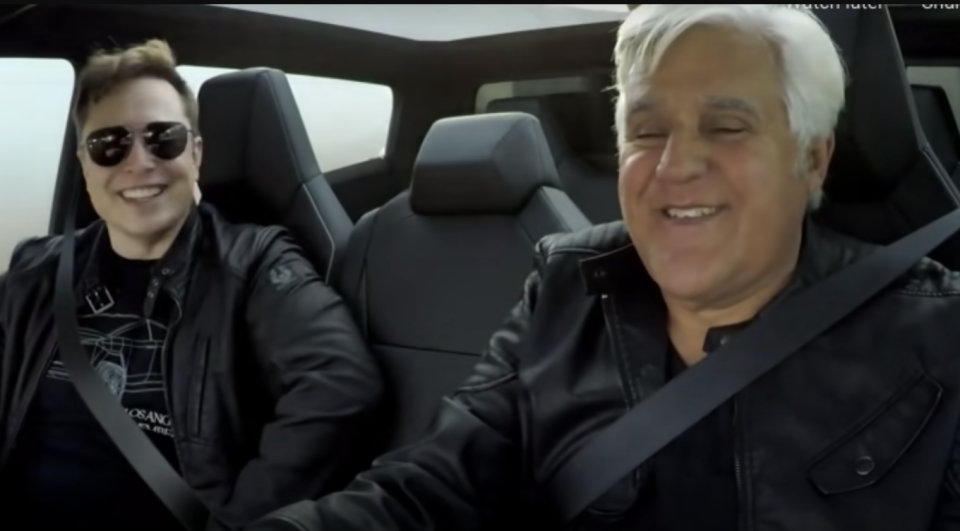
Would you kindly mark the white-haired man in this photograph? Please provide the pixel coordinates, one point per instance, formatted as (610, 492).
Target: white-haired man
(725, 116)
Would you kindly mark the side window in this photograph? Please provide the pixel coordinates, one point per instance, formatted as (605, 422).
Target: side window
(531, 87)
(36, 98)
(947, 77)
(347, 121)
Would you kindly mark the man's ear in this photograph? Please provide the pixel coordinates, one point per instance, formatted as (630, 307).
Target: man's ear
(83, 160)
(198, 150)
(818, 157)
(197, 160)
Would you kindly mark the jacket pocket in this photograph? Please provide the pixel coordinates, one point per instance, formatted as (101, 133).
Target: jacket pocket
(614, 507)
(199, 387)
(864, 455)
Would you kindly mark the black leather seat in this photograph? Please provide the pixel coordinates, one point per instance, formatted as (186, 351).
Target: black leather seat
(259, 166)
(433, 272)
(591, 186)
(884, 181)
(939, 125)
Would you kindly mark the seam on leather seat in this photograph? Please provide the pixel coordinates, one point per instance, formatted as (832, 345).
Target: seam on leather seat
(286, 133)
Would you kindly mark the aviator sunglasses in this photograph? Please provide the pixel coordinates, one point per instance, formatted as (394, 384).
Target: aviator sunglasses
(110, 146)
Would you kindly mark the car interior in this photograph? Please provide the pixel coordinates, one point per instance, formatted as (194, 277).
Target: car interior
(258, 166)
(430, 242)
(484, 190)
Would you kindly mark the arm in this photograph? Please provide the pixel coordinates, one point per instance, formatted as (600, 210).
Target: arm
(465, 476)
(325, 381)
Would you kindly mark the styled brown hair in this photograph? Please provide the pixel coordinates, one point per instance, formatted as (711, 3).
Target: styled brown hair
(106, 70)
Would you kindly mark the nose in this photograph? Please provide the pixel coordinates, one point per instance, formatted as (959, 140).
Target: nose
(683, 159)
(139, 158)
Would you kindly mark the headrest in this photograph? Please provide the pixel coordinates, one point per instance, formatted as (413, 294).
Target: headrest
(938, 122)
(254, 136)
(539, 108)
(878, 138)
(483, 164)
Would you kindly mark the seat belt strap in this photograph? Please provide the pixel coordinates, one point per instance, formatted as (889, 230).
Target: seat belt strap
(640, 433)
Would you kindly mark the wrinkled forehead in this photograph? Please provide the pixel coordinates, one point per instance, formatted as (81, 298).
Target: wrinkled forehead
(135, 104)
(646, 103)
(714, 68)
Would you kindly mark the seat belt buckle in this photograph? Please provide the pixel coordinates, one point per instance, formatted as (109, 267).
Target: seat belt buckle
(99, 300)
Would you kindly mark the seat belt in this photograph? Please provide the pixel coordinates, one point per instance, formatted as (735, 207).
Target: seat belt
(632, 439)
(132, 442)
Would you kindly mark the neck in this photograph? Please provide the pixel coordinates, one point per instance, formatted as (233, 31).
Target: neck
(689, 323)
(152, 247)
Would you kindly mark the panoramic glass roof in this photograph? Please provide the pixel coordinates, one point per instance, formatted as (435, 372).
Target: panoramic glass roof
(445, 22)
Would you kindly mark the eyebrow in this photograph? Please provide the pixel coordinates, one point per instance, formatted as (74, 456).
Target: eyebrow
(732, 104)
(710, 102)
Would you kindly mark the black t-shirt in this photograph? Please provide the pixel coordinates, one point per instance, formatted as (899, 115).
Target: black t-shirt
(693, 484)
(65, 470)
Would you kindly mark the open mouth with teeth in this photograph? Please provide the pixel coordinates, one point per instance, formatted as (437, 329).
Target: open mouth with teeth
(143, 193)
(690, 213)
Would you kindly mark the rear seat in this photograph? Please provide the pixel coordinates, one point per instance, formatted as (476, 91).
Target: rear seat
(592, 188)
(939, 126)
(433, 272)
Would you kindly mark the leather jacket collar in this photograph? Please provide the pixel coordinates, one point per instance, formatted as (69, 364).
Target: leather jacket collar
(172, 268)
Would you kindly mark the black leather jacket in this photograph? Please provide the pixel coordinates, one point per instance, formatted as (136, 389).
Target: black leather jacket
(269, 380)
(586, 343)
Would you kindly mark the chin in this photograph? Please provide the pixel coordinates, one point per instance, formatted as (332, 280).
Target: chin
(687, 287)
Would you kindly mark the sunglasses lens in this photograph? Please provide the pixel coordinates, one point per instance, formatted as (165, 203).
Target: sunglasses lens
(166, 141)
(109, 146)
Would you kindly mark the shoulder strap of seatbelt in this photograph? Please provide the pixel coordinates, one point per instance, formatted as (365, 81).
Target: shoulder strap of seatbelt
(635, 437)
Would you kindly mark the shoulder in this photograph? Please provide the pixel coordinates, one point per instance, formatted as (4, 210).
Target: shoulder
(560, 259)
(36, 252)
(575, 246)
(929, 278)
(42, 252)
(241, 242)
(836, 251)
(247, 248)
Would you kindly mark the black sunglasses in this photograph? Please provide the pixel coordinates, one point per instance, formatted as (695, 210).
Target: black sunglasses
(110, 146)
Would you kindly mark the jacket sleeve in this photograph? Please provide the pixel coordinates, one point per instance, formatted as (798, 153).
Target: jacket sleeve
(465, 475)
(323, 377)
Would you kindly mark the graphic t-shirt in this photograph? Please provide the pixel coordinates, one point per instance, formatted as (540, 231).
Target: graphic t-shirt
(65, 469)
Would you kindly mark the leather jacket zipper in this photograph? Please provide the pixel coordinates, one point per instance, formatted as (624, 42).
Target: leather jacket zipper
(609, 316)
(164, 371)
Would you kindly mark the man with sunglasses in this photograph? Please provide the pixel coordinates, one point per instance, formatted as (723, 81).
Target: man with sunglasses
(220, 341)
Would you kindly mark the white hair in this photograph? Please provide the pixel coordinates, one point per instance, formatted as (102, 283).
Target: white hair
(812, 69)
